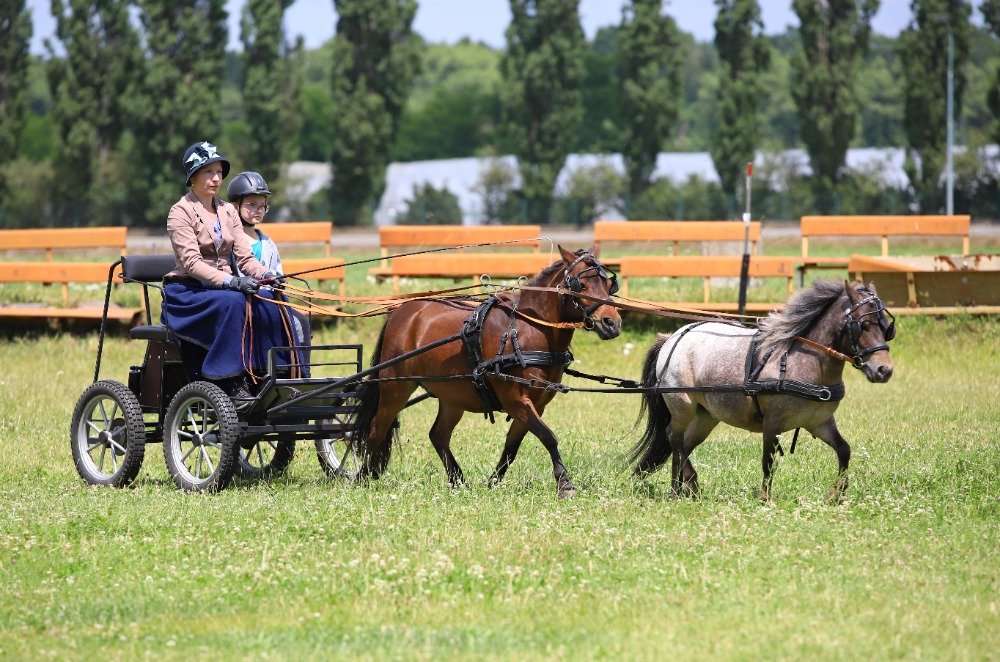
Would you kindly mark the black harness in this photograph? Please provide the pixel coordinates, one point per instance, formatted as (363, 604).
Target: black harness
(472, 341)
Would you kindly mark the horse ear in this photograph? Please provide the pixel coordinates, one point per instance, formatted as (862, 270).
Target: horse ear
(871, 286)
(595, 250)
(852, 294)
(567, 257)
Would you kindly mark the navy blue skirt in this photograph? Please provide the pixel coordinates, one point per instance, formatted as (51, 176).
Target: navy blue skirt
(214, 320)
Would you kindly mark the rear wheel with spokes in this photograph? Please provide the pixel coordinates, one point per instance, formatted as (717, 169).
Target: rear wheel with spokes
(336, 452)
(200, 438)
(107, 435)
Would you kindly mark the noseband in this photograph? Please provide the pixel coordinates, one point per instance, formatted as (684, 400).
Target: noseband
(852, 327)
(574, 284)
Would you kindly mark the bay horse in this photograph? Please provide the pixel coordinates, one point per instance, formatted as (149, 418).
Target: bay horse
(786, 375)
(524, 335)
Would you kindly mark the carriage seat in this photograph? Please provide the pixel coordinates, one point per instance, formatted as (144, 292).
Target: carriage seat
(148, 270)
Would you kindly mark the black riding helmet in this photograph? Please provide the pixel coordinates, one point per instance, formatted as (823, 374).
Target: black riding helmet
(199, 155)
(246, 183)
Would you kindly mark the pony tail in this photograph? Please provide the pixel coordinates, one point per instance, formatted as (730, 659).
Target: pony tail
(368, 395)
(653, 448)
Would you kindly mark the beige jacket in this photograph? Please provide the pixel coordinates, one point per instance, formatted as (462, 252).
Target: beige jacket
(190, 229)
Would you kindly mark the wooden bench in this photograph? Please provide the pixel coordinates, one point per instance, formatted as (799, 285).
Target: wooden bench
(469, 265)
(871, 227)
(932, 285)
(407, 238)
(707, 267)
(672, 232)
(62, 273)
(309, 232)
(69, 239)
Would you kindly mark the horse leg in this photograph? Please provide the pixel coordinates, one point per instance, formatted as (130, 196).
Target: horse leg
(696, 432)
(444, 425)
(526, 414)
(829, 433)
(514, 437)
(377, 450)
(767, 464)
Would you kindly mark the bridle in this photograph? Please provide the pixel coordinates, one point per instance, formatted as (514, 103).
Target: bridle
(574, 284)
(852, 327)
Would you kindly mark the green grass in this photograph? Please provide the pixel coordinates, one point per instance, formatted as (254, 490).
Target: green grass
(406, 567)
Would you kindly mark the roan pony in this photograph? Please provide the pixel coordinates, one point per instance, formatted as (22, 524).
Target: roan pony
(787, 375)
(505, 343)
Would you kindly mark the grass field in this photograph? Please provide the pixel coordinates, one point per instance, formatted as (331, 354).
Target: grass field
(906, 567)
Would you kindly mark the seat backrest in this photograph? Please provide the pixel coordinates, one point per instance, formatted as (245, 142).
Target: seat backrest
(147, 268)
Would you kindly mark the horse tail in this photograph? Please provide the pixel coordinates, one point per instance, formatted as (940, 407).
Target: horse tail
(653, 448)
(369, 393)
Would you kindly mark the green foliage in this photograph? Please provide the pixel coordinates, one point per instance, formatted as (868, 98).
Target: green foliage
(15, 35)
(695, 199)
(595, 190)
(494, 185)
(600, 126)
(375, 57)
(178, 102)
(924, 53)
(91, 87)
(880, 94)
(454, 108)
(833, 40)
(431, 206)
(649, 63)
(29, 204)
(991, 14)
(542, 70)
(271, 85)
(743, 55)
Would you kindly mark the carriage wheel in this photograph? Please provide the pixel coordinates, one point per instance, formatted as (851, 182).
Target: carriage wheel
(107, 435)
(338, 458)
(266, 458)
(200, 438)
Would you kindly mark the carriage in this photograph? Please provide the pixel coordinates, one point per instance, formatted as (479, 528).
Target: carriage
(506, 353)
(208, 438)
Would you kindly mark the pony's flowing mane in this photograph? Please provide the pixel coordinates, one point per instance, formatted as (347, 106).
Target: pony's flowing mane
(545, 274)
(801, 312)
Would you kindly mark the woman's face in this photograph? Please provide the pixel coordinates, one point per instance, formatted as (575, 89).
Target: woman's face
(253, 208)
(206, 182)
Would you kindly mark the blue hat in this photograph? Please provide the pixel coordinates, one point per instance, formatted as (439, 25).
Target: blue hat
(199, 155)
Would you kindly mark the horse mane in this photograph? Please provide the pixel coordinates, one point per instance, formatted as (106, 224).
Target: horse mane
(801, 312)
(548, 272)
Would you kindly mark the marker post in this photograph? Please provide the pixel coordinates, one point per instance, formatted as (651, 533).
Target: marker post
(745, 267)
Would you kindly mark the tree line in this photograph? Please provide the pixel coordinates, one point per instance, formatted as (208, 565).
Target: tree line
(92, 132)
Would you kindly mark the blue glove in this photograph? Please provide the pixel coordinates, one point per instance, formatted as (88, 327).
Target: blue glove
(244, 284)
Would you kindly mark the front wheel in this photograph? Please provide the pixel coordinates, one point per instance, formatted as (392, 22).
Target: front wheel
(108, 435)
(337, 453)
(201, 438)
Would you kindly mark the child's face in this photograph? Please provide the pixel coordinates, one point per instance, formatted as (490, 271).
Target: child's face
(253, 208)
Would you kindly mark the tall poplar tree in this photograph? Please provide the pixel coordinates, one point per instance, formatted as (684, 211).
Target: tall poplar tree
(91, 86)
(833, 41)
(991, 14)
(650, 87)
(923, 48)
(15, 36)
(743, 56)
(375, 58)
(542, 70)
(179, 102)
(271, 85)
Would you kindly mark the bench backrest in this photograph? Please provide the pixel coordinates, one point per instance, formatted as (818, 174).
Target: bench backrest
(674, 232)
(706, 267)
(396, 236)
(457, 265)
(885, 227)
(300, 232)
(50, 239)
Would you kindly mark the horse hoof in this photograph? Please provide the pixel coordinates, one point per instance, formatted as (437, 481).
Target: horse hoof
(764, 496)
(835, 496)
(567, 492)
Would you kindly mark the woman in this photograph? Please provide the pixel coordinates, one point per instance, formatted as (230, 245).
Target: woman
(205, 303)
(248, 191)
